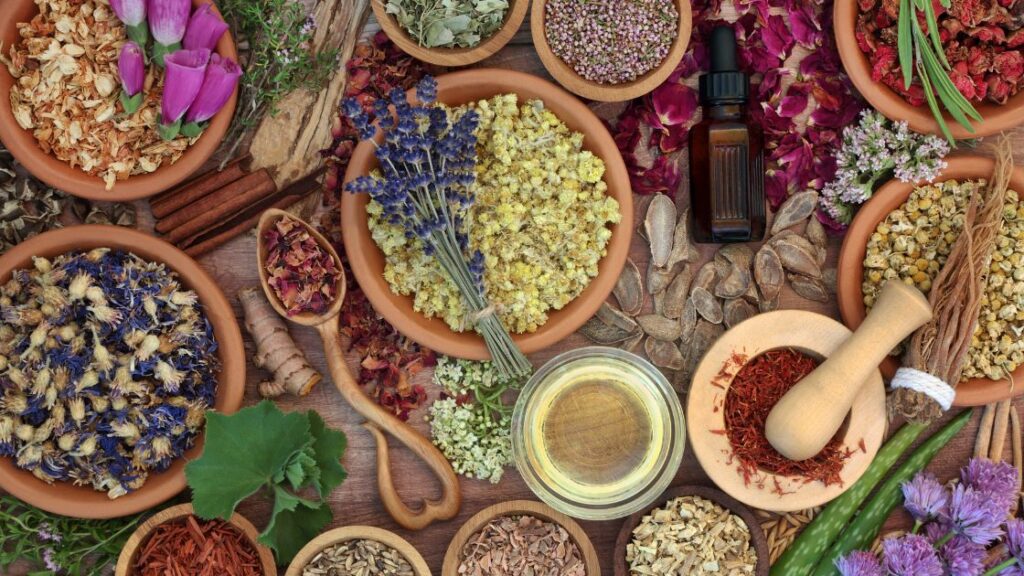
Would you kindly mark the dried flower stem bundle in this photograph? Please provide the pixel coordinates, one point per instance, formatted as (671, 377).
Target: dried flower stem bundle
(940, 347)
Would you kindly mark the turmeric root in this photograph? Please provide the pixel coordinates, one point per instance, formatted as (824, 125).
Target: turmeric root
(275, 349)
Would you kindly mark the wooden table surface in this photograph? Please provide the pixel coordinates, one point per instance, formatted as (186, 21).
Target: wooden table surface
(356, 501)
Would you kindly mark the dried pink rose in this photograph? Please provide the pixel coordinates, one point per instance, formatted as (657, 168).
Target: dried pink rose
(303, 274)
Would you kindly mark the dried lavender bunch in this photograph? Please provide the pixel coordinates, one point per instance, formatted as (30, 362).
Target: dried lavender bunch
(873, 151)
(427, 171)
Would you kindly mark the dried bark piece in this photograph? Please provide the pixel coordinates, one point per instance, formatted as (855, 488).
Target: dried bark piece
(599, 332)
(795, 210)
(735, 284)
(614, 317)
(660, 327)
(664, 354)
(737, 310)
(629, 289)
(660, 224)
(808, 287)
(815, 232)
(706, 277)
(707, 305)
(674, 297)
(798, 256)
(768, 272)
(687, 321)
(683, 249)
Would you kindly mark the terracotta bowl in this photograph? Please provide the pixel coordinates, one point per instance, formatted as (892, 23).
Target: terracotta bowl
(59, 174)
(811, 333)
(82, 501)
(339, 535)
(757, 538)
(135, 541)
(973, 392)
(452, 57)
(367, 261)
(519, 508)
(995, 117)
(572, 81)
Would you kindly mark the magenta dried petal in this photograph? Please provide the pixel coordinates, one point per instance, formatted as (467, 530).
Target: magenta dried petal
(777, 38)
(675, 139)
(776, 187)
(770, 88)
(674, 103)
(795, 101)
(805, 27)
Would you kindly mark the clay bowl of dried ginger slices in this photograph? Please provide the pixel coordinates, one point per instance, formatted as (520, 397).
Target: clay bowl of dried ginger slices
(92, 140)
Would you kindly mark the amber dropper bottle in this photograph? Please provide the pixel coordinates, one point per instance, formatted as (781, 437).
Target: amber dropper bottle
(726, 160)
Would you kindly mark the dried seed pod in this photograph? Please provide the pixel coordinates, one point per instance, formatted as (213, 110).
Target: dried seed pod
(706, 277)
(707, 305)
(737, 310)
(683, 249)
(751, 295)
(660, 225)
(766, 305)
(674, 297)
(735, 284)
(660, 327)
(598, 332)
(808, 287)
(739, 255)
(687, 321)
(632, 344)
(659, 278)
(664, 354)
(629, 290)
(614, 317)
(704, 335)
(815, 232)
(798, 256)
(768, 272)
(830, 277)
(795, 210)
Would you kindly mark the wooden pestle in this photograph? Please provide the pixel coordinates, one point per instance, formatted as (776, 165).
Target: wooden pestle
(807, 417)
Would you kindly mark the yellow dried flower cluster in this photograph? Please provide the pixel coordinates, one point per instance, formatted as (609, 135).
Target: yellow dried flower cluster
(912, 244)
(540, 219)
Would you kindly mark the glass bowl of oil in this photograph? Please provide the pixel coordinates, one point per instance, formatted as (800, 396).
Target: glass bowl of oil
(598, 433)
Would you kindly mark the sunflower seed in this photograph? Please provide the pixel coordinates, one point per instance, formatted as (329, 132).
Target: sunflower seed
(808, 287)
(614, 317)
(674, 297)
(795, 210)
(707, 305)
(664, 354)
(597, 331)
(659, 225)
(798, 256)
(629, 289)
(683, 249)
(768, 272)
(737, 310)
(815, 232)
(660, 327)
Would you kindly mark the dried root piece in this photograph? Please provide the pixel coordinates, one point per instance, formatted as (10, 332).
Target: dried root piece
(984, 439)
(999, 430)
(275, 350)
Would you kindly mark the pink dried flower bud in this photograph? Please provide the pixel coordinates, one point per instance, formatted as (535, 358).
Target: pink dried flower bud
(168, 20)
(219, 84)
(132, 68)
(131, 12)
(204, 29)
(185, 72)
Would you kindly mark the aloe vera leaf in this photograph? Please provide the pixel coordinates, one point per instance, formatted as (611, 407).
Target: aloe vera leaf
(865, 527)
(905, 43)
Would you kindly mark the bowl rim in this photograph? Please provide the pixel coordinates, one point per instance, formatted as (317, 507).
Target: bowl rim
(143, 531)
(995, 117)
(452, 56)
(705, 417)
(849, 293)
(345, 533)
(433, 332)
(572, 81)
(60, 175)
(758, 540)
(83, 501)
(520, 508)
(662, 477)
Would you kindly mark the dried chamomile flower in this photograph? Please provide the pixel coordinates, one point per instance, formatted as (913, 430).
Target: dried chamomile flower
(110, 364)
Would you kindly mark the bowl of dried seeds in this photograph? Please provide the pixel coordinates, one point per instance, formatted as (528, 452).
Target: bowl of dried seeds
(61, 117)
(693, 530)
(363, 550)
(521, 537)
(906, 231)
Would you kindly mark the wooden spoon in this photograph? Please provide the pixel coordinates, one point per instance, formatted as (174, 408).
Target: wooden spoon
(378, 419)
(809, 415)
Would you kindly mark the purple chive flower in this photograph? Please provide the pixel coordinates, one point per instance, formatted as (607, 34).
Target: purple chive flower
(186, 70)
(1011, 571)
(132, 68)
(204, 29)
(1015, 539)
(219, 84)
(910, 555)
(924, 498)
(168, 20)
(998, 480)
(859, 563)
(975, 515)
(963, 557)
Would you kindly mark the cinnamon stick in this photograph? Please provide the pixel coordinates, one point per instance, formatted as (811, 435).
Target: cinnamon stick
(196, 188)
(223, 203)
(218, 239)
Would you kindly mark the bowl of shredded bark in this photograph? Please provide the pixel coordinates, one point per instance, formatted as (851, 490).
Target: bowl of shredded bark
(696, 531)
(521, 537)
(362, 550)
(175, 541)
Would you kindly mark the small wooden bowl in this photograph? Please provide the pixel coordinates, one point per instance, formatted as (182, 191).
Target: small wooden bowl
(59, 174)
(519, 508)
(973, 392)
(452, 57)
(757, 537)
(135, 541)
(811, 333)
(339, 535)
(995, 117)
(82, 501)
(573, 82)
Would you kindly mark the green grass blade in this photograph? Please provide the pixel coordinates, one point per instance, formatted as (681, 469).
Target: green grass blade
(905, 42)
(933, 32)
(940, 78)
(934, 105)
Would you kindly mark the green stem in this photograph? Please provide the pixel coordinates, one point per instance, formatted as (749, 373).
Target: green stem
(1000, 567)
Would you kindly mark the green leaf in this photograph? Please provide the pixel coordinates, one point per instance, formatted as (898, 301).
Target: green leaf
(438, 35)
(933, 31)
(328, 447)
(300, 470)
(934, 105)
(293, 522)
(905, 42)
(942, 82)
(244, 452)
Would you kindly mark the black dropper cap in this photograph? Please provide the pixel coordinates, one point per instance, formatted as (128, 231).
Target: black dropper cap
(724, 83)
